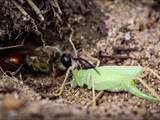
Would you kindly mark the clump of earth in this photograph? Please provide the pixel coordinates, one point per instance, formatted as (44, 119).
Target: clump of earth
(114, 31)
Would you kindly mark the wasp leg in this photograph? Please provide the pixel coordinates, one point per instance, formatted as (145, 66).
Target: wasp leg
(59, 92)
(71, 42)
(18, 70)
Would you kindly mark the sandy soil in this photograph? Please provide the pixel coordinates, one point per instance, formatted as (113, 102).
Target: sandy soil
(133, 39)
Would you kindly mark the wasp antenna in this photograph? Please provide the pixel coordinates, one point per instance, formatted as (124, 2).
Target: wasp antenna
(90, 65)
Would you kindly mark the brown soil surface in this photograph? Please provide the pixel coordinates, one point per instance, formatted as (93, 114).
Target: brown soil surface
(133, 38)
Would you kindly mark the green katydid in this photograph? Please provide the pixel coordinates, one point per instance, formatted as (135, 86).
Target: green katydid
(111, 78)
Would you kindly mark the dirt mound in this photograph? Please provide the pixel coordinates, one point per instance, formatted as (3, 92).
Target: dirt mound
(117, 32)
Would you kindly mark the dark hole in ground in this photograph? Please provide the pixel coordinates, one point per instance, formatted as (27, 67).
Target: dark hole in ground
(90, 33)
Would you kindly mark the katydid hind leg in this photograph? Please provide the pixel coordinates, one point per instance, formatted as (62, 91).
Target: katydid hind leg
(135, 91)
(151, 90)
